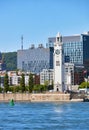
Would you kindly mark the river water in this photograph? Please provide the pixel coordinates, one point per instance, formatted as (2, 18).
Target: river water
(45, 116)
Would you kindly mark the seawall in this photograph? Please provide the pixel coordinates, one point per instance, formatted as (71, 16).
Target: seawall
(39, 97)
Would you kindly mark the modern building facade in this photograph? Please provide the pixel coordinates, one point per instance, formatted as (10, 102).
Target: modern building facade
(35, 59)
(69, 76)
(76, 48)
(47, 75)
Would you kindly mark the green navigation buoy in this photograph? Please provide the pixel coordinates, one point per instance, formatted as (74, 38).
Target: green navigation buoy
(11, 102)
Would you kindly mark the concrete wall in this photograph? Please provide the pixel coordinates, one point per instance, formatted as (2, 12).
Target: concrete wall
(34, 97)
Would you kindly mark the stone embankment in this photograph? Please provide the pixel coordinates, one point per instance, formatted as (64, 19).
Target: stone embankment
(39, 97)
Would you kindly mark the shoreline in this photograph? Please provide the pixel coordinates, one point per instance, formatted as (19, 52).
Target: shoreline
(76, 100)
(37, 97)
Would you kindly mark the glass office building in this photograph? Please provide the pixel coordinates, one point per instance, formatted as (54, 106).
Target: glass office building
(76, 48)
(73, 50)
(35, 59)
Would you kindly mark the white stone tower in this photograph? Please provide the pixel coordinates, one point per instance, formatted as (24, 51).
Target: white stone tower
(58, 64)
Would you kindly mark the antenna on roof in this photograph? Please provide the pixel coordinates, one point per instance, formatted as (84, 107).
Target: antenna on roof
(22, 42)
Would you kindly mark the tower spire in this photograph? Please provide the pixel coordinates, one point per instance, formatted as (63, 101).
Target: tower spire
(22, 42)
(58, 38)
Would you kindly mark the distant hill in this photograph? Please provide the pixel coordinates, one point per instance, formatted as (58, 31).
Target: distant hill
(10, 59)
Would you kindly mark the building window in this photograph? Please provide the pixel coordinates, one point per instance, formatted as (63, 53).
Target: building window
(57, 63)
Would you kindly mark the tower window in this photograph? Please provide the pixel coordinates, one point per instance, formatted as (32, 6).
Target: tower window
(58, 39)
(57, 63)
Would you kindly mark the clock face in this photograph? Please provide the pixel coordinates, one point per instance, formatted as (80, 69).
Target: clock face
(57, 51)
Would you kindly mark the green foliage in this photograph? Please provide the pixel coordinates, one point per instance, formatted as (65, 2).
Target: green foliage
(22, 83)
(46, 83)
(84, 85)
(50, 87)
(6, 83)
(14, 89)
(0, 80)
(11, 89)
(1, 89)
(31, 83)
(26, 88)
(18, 89)
(10, 59)
(39, 88)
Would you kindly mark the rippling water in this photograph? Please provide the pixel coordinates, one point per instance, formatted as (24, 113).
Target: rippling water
(44, 116)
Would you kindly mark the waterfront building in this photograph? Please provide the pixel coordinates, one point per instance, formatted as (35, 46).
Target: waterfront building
(59, 84)
(37, 79)
(15, 77)
(47, 75)
(35, 59)
(79, 75)
(69, 76)
(14, 80)
(2, 74)
(76, 48)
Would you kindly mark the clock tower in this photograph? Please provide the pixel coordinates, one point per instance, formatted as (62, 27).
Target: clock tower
(58, 64)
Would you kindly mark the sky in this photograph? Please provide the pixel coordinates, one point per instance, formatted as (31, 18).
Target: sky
(37, 20)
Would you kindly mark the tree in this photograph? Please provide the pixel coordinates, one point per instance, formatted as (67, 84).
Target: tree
(46, 84)
(22, 83)
(0, 80)
(50, 87)
(6, 83)
(1, 89)
(31, 83)
(10, 60)
(84, 85)
(39, 88)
